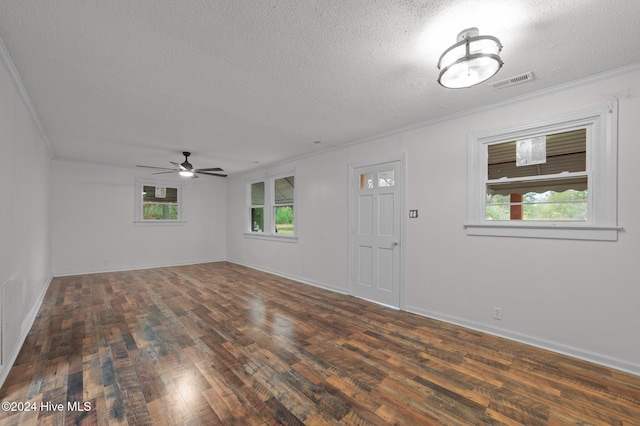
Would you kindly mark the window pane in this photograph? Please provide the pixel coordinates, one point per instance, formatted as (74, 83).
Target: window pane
(386, 178)
(366, 181)
(154, 194)
(551, 154)
(152, 211)
(495, 211)
(257, 219)
(284, 190)
(570, 205)
(257, 194)
(284, 219)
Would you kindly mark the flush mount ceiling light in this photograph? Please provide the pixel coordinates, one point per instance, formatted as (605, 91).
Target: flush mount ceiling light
(472, 60)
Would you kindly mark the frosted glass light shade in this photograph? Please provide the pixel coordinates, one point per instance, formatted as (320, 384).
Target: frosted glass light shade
(472, 60)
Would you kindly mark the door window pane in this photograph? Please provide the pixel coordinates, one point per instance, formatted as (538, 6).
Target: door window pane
(385, 178)
(366, 181)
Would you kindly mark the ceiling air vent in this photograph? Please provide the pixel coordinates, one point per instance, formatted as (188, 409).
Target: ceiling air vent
(512, 81)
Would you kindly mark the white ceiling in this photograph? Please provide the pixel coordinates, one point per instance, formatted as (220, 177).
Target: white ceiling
(244, 83)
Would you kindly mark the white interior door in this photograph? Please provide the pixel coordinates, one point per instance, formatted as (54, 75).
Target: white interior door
(375, 232)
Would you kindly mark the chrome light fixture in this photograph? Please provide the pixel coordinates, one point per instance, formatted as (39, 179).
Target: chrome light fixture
(472, 60)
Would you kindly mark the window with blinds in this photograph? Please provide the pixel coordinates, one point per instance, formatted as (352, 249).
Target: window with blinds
(272, 206)
(257, 207)
(158, 203)
(553, 177)
(538, 178)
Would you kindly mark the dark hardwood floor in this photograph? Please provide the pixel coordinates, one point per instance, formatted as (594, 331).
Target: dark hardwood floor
(223, 344)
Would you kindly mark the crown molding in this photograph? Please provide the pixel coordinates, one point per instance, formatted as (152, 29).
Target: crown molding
(22, 92)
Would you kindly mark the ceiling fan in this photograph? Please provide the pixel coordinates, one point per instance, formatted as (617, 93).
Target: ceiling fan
(186, 169)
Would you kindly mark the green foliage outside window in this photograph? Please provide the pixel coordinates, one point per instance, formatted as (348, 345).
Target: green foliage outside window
(160, 211)
(257, 219)
(284, 219)
(550, 206)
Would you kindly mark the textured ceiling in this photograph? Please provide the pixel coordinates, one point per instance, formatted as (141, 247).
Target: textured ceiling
(243, 83)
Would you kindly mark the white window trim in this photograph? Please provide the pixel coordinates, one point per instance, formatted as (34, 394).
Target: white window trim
(602, 167)
(139, 221)
(269, 232)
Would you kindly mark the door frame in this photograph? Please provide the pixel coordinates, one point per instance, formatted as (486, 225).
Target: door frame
(402, 158)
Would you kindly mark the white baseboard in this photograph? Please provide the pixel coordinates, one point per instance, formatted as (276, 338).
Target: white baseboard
(291, 277)
(134, 267)
(26, 327)
(560, 348)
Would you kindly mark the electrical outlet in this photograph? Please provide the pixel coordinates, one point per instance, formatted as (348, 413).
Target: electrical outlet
(497, 313)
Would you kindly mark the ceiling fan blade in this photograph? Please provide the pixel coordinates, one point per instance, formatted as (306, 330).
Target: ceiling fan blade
(210, 169)
(178, 165)
(153, 167)
(212, 174)
(161, 173)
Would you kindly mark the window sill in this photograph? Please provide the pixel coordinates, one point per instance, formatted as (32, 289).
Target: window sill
(272, 237)
(159, 222)
(551, 230)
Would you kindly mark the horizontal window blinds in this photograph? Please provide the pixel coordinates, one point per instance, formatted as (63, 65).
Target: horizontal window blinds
(565, 152)
(562, 166)
(257, 194)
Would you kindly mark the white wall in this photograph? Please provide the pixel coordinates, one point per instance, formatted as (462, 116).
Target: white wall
(25, 268)
(576, 297)
(320, 255)
(92, 211)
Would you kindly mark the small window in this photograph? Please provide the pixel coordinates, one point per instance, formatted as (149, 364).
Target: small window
(551, 178)
(158, 202)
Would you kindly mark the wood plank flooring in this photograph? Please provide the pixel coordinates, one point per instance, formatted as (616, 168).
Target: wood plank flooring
(219, 343)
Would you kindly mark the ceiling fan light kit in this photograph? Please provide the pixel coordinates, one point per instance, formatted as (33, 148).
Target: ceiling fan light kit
(470, 61)
(186, 168)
